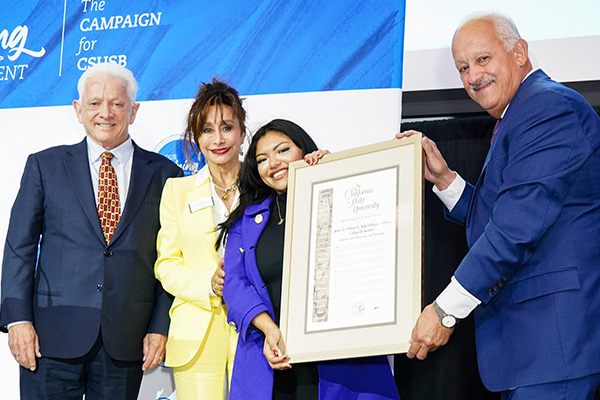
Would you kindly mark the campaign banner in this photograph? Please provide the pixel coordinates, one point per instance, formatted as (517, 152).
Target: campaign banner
(262, 47)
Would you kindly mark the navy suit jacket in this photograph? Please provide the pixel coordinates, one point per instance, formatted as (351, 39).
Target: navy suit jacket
(78, 286)
(533, 228)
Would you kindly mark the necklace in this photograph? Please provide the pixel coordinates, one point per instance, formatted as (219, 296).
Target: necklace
(279, 211)
(225, 193)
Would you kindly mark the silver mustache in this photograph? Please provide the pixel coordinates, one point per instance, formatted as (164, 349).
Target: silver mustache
(476, 85)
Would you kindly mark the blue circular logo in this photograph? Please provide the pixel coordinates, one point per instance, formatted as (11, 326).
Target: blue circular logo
(173, 148)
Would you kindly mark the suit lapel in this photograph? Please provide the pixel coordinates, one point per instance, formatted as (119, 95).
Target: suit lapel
(495, 149)
(252, 227)
(502, 130)
(471, 208)
(141, 176)
(203, 219)
(493, 145)
(78, 170)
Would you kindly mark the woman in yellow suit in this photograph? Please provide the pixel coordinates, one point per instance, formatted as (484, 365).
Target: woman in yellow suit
(201, 345)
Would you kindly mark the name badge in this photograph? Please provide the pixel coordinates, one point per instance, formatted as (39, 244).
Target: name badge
(201, 204)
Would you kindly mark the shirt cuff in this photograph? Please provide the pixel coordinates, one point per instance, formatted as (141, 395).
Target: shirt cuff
(17, 323)
(456, 300)
(452, 193)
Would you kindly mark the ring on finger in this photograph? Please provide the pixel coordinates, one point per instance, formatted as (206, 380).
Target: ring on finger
(15, 355)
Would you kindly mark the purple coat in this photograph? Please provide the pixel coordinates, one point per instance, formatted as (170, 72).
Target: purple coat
(246, 297)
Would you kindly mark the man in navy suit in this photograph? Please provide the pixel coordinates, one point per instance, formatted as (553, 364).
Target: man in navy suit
(532, 273)
(84, 312)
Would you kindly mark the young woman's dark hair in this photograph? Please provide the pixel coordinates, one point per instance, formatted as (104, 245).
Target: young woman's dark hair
(251, 186)
(217, 93)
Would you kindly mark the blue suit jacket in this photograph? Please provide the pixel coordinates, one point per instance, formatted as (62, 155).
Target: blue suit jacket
(79, 286)
(246, 296)
(533, 227)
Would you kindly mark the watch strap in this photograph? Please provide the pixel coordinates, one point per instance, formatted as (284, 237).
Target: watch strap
(441, 314)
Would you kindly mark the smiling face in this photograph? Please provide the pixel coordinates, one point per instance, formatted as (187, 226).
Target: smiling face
(490, 74)
(221, 137)
(274, 151)
(105, 110)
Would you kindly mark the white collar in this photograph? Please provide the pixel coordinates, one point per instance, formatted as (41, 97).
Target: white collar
(122, 152)
(526, 76)
(202, 175)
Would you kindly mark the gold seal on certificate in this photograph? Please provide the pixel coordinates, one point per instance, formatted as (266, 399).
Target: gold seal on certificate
(352, 259)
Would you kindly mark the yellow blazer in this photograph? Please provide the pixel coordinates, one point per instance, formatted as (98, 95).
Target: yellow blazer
(186, 261)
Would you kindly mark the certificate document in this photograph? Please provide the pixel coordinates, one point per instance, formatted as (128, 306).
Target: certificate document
(352, 245)
(352, 262)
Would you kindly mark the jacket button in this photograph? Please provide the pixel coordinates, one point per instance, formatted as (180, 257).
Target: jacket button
(99, 288)
(107, 252)
(233, 325)
(490, 292)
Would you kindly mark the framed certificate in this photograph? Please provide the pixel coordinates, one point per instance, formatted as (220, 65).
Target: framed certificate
(353, 252)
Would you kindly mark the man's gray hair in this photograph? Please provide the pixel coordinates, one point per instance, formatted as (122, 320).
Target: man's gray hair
(505, 27)
(111, 70)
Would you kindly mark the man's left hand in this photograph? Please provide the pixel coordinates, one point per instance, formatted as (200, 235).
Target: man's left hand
(428, 334)
(154, 350)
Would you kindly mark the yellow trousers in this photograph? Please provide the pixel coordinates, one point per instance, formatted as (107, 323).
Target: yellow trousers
(204, 376)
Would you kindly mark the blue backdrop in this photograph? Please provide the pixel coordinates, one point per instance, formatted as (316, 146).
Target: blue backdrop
(261, 47)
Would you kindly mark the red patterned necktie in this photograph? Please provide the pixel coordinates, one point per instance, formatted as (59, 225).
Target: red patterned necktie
(109, 210)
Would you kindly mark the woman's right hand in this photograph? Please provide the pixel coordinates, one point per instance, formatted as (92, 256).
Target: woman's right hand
(272, 338)
(315, 156)
(271, 350)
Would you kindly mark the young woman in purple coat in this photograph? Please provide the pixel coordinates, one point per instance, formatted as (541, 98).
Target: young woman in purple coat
(252, 289)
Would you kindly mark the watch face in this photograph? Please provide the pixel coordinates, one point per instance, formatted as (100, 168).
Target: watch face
(449, 321)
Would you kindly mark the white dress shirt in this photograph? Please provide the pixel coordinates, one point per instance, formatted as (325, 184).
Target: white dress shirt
(220, 211)
(121, 162)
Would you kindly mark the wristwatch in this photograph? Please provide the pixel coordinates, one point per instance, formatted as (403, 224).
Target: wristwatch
(447, 320)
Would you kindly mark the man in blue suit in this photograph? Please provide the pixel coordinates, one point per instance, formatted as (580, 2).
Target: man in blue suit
(84, 313)
(532, 273)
